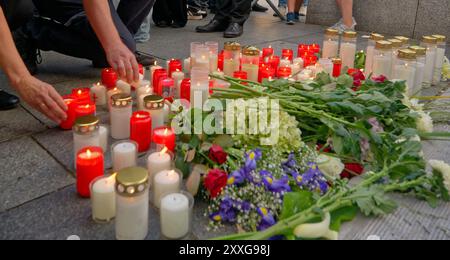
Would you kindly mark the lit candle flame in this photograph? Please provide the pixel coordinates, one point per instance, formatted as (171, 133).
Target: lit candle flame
(112, 178)
(88, 153)
(79, 92)
(163, 151)
(98, 84)
(166, 131)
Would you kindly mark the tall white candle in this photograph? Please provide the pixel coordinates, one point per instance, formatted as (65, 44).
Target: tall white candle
(252, 71)
(199, 87)
(407, 73)
(382, 65)
(141, 93)
(440, 55)
(104, 134)
(230, 66)
(213, 55)
(120, 115)
(103, 198)
(348, 52)
(165, 182)
(111, 93)
(369, 59)
(177, 76)
(124, 155)
(420, 69)
(175, 216)
(158, 162)
(123, 86)
(330, 49)
(98, 94)
(187, 65)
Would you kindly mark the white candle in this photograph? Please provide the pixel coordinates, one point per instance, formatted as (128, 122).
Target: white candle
(111, 93)
(382, 65)
(252, 71)
(123, 86)
(166, 114)
(369, 59)
(120, 115)
(177, 76)
(348, 52)
(175, 216)
(213, 62)
(406, 72)
(124, 155)
(165, 182)
(155, 106)
(326, 65)
(141, 83)
(285, 63)
(141, 93)
(98, 94)
(103, 198)
(330, 49)
(420, 69)
(300, 62)
(440, 54)
(199, 87)
(158, 162)
(103, 132)
(187, 65)
(230, 66)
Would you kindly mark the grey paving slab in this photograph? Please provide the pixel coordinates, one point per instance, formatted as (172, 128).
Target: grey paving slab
(28, 172)
(432, 18)
(201, 223)
(18, 122)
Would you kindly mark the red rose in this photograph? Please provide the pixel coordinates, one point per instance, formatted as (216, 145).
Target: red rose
(379, 79)
(352, 169)
(217, 154)
(326, 150)
(356, 74)
(215, 181)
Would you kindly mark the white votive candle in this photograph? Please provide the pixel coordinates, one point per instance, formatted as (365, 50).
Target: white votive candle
(104, 134)
(177, 76)
(103, 198)
(123, 86)
(168, 181)
(111, 93)
(141, 93)
(300, 62)
(121, 110)
(330, 49)
(98, 94)
(124, 155)
(348, 52)
(175, 216)
(158, 162)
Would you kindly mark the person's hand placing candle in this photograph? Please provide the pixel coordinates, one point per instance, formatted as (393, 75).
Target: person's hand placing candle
(123, 61)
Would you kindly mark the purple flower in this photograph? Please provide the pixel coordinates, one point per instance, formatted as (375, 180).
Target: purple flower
(226, 204)
(290, 163)
(267, 219)
(237, 177)
(251, 159)
(274, 185)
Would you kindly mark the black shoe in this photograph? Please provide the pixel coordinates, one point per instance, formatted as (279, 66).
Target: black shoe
(234, 30)
(27, 49)
(145, 59)
(259, 8)
(163, 24)
(213, 26)
(8, 101)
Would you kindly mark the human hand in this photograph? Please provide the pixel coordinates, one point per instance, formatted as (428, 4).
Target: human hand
(42, 97)
(123, 61)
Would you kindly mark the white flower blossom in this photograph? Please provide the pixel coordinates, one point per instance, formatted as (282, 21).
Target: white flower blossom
(330, 166)
(425, 123)
(444, 169)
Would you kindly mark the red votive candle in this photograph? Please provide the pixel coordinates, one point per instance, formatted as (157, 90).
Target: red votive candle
(220, 59)
(141, 69)
(287, 54)
(141, 130)
(174, 65)
(167, 88)
(337, 67)
(315, 47)
(90, 165)
(164, 137)
(157, 76)
(83, 95)
(284, 72)
(265, 73)
(240, 75)
(185, 89)
(85, 109)
(267, 52)
(274, 62)
(71, 103)
(109, 78)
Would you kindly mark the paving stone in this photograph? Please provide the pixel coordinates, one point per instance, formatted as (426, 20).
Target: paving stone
(17, 122)
(28, 172)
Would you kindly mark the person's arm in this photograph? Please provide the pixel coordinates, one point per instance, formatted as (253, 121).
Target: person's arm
(39, 95)
(119, 56)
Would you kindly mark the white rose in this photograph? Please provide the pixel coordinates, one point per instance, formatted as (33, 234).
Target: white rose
(330, 166)
(425, 123)
(444, 169)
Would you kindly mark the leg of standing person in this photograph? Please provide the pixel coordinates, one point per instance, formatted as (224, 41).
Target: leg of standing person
(293, 7)
(221, 20)
(178, 10)
(239, 14)
(282, 7)
(298, 6)
(347, 22)
(259, 8)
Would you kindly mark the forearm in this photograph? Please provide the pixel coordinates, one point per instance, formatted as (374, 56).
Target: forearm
(99, 15)
(10, 60)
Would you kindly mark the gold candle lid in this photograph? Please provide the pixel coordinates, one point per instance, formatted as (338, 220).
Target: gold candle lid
(121, 100)
(429, 39)
(251, 51)
(440, 38)
(132, 181)
(383, 45)
(232, 46)
(403, 39)
(153, 102)
(396, 43)
(336, 60)
(406, 54)
(331, 32)
(86, 124)
(350, 34)
(376, 37)
(420, 51)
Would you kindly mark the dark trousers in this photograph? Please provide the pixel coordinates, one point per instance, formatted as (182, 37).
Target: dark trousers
(17, 12)
(62, 26)
(170, 12)
(233, 11)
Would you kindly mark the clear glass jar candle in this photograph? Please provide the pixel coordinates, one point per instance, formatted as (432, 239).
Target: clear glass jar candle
(194, 47)
(396, 46)
(199, 87)
(330, 43)
(440, 55)
(231, 58)
(405, 69)
(201, 57)
(132, 204)
(420, 67)
(374, 37)
(154, 104)
(124, 155)
(430, 43)
(348, 49)
(121, 110)
(85, 133)
(250, 62)
(176, 215)
(213, 56)
(382, 59)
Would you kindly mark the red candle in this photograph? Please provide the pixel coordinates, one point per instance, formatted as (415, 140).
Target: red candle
(164, 137)
(220, 59)
(90, 165)
(240, 75)
(274, 62)
(71, 103)
(267, 52)
(265, 73)
(157, 76)
(284, 72)
(83, 95)
(337, 67)
(141, 130)
(167, 88)
(174, 65)
(109, 78)
(315, 48)
(141, 69)
(287, 54)
(185, 89)
(84, 109)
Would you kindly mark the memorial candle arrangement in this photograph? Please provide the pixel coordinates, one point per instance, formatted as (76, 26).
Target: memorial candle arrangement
(348, 49)
(90, 165)
(132, 204)
(141, 130)
(165, 182)
(121, 110)
(103, 198)
(85, 134)
(176, 215)
(124, 155)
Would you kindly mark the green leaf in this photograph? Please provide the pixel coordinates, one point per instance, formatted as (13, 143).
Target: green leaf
(342, 215)
(373, 201)
(345, 81)
(295, 202)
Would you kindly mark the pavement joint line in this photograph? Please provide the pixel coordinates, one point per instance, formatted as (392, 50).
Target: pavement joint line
(35, 117)
(37, 198)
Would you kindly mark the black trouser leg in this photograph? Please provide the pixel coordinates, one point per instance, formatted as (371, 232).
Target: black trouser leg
(17, 12)
(133, 13)
(170, 11)
(236, 11)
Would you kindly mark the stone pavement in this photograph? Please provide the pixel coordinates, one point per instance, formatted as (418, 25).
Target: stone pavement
(37, 191)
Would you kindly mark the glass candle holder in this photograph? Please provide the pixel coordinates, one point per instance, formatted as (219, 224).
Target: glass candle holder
(109, 78)
(158, 161)
(167, 181)
(194, 47)
(348, 49)
(287, 54)
(250, 62)
(168, 89)
(124, 155)
(98, 94)
(199, 87)
(71, 103)
(178, 77)
(202, 57)
(420, 67)
(337, 67)
(405, 69)
(382, 59)
(132, 204)
(85, 133)
(103, 132)
(176, 215)
(213, 55)
(154, 104)
(174, 65)
(231, 58)
(396, 46)
(440, 56)
(185, 89)
(330, 43)
(121, 110)
(430, 43)
(374, 37)
(141, 93)
(103, 198)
